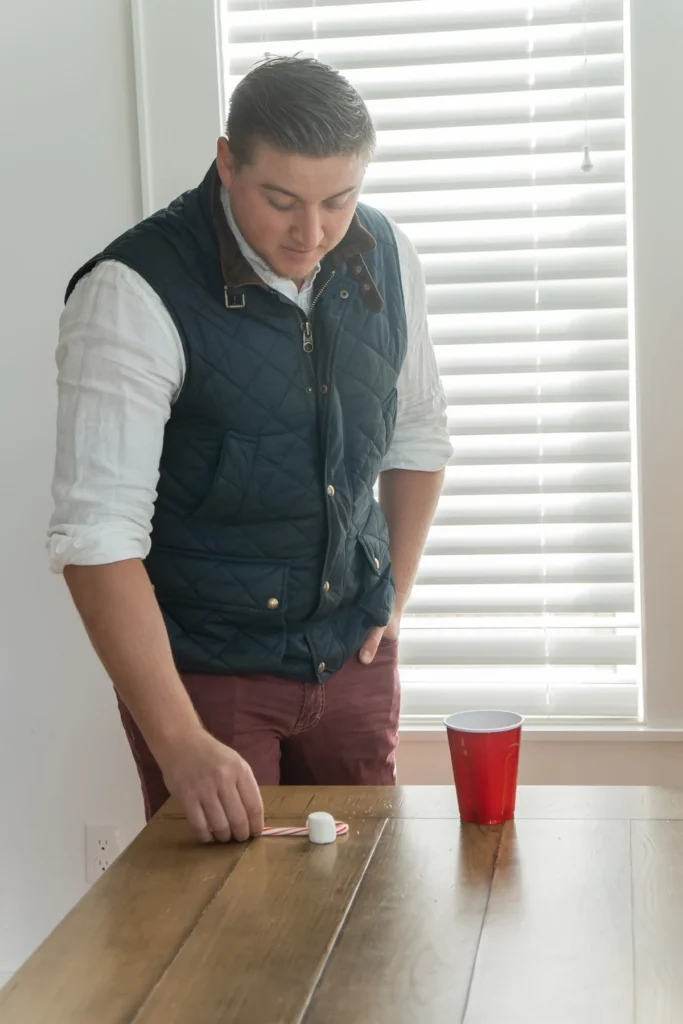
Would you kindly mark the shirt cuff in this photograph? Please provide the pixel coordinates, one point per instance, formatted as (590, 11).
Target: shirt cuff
(426, 455)
(96, 545)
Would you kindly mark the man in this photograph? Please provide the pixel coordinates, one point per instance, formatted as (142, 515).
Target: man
(234, 373)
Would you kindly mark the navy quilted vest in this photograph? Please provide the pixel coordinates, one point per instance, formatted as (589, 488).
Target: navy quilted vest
(269, 553)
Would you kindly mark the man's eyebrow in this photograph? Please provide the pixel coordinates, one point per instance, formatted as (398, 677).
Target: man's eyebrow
(293, 195)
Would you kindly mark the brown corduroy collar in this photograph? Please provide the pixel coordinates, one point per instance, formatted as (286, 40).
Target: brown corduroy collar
(238, 272)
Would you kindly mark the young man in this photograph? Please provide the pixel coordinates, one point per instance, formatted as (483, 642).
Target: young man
(234, 374)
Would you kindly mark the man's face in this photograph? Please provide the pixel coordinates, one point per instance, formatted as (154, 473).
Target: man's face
(291, 209)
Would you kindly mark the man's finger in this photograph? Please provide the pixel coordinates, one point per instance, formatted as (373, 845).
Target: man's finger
(370, 644)
(197, 819)
(250, 795)
(216, 818)
(235, 812)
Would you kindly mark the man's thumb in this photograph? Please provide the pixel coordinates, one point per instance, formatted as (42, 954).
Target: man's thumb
(369, 649)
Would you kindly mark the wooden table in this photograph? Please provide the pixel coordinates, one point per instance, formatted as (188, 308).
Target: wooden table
(571, 915)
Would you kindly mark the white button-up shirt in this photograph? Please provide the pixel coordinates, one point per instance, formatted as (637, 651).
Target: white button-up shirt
(121, 366)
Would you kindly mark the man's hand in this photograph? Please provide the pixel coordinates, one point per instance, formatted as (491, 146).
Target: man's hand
(367, 653)
(215, 786)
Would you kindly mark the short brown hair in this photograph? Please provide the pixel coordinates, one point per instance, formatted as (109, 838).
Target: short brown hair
(298, 105)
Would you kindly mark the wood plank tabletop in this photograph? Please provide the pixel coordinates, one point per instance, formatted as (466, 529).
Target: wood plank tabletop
(572, 914)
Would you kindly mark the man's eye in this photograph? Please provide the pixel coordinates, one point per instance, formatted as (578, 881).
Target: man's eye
(281, 209)
(338, 204)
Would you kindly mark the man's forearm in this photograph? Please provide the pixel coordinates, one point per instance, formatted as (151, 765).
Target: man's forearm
(408, 499)
(121, 614)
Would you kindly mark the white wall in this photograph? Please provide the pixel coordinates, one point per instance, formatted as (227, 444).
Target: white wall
(69, 176)
(657, 107)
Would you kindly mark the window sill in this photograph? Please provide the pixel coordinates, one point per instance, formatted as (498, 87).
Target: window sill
(578, 733)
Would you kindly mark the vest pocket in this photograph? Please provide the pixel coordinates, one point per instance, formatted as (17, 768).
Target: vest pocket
(376, 553)
(373, 544)
(264, 478)
(197, 588)
(230, 481)
(375, 587)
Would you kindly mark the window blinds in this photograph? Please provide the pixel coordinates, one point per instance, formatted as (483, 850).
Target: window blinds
(501, 152)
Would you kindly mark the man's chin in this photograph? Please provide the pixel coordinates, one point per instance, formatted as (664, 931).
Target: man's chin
(294, 266)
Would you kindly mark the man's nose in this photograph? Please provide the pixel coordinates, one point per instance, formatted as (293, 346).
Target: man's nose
(308, 229)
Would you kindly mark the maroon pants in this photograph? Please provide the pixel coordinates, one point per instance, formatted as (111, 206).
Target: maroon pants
(344, 733)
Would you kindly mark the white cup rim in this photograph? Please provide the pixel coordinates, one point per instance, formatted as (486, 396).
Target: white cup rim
(485, 720)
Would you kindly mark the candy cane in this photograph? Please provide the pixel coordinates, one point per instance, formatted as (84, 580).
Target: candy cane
(340, 826)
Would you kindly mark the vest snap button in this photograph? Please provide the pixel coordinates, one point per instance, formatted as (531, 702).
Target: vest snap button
(309, 390)
(366, 286)
(321, 668)
(343, 294)
(323, 389)
(377, 563)
(273, 603)
(326, 587)
(330, 491)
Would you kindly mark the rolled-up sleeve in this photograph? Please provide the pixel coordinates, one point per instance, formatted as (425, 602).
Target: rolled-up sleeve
(421, 440)
(120, 365)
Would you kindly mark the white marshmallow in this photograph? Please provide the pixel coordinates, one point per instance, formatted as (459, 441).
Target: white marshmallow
(322, 828)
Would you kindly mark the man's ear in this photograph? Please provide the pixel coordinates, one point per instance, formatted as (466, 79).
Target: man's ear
(225, 162)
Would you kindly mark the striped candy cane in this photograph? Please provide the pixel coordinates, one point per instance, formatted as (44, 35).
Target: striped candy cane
(341, 827)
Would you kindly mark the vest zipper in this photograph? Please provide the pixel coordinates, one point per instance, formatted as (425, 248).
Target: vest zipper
(307, 328)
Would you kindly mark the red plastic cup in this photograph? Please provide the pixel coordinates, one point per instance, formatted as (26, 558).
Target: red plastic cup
(485, 755)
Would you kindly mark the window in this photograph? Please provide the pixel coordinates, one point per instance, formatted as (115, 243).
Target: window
(501, 152)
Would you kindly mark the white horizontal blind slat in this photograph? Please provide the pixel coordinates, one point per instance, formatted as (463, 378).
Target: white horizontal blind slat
(594, 385)
(404, 47)
(522, 646)
(525, 594)
(487, 77)
(565, 478)
(467, 12)
(285, 19)
(529, 538)
(563, 356)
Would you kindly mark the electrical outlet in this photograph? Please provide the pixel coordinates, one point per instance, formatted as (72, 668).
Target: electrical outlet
(102, 847)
